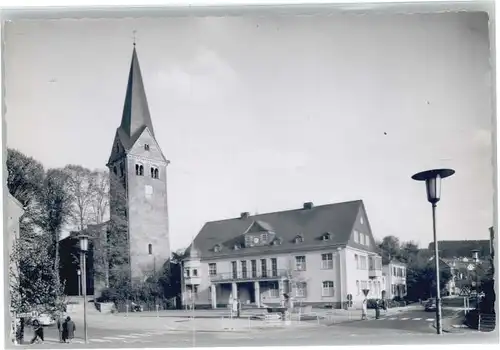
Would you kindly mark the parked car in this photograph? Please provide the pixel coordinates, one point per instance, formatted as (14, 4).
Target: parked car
(430, 305)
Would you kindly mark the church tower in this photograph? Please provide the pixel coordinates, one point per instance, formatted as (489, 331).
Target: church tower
(138, 184)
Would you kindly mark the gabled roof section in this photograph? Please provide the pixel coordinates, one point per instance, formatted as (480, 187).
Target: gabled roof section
(135, 110)
(337, 219)
(259, 226)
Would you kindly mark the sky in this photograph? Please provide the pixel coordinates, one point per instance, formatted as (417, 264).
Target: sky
(261, 114)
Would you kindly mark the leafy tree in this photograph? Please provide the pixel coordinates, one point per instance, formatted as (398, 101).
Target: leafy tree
(389, 248)
(55, 210)
(33, 281)
(25, 176)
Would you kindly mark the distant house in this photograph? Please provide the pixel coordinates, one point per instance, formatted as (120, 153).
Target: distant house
(462, 272)
(453, 249)
(395, 279)
(316, 254)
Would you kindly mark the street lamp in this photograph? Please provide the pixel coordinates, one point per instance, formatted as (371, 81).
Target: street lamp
(432, 180)
(475, 257)
(79, 282)
(84, 247)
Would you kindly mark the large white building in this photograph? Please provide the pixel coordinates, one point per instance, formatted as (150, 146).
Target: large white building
(318, 255)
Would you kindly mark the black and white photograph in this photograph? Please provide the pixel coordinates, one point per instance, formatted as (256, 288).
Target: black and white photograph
(249, 179)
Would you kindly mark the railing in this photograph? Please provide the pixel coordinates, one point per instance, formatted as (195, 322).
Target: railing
(486, 322)
(249, 275)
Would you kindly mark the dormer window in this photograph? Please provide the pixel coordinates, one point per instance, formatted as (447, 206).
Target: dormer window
(277, 241)
(326, 236)
(298, 239)
(236, 247)
(217, 248)
(146, 147)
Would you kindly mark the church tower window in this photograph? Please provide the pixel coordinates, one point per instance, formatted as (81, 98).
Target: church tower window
(150, 249)
(139, 170)
(154, 173)
(146, 147)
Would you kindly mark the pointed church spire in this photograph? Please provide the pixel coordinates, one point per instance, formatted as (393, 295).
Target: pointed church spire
(135, 110)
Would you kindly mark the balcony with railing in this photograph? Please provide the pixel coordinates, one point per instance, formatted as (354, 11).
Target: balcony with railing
(249, 275)
(374, 266)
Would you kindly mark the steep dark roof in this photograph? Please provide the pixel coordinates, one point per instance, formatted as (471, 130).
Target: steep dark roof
(451, 249)
(337, 219)
(135, 110)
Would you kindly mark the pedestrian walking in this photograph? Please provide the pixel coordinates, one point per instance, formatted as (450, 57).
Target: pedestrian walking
(60, 323)
(364, 310)
(38, 332)
(69, 329)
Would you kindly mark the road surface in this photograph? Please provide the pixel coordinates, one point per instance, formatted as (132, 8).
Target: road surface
(409, 327)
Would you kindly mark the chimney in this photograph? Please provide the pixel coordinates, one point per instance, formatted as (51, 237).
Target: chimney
(244, 215)
(308, 205)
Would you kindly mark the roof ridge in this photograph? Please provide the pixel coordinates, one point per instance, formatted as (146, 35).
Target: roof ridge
(284, 211)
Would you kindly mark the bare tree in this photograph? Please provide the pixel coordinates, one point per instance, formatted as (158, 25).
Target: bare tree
(80, 187)
(99, 206)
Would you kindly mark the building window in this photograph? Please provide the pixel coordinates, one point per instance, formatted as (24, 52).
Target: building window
(327, 290)
(356, 236)
(212, 269)
(254, 268)
(195, 290)
(274, 267)
(186, 272)
(356, 260)
(327, 261)
(154, 172)
(361, 220)
(301, 289)
(274, 291)
(263, 265)
(122, 169)
(234, 269)
(358, 287)
(299, 239)
(150, 249)
(146, 147)
(236, 246)
(114, 170)
(264, 237)
(148, 191)
(217, 248)
(195, 272)
(300, 263)
(243, 269)
(393, 289)
(326, 236)
(139, 170)
(363, 263)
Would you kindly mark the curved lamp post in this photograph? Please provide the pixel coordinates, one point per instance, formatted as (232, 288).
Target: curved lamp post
(84, 247)
(432, 180)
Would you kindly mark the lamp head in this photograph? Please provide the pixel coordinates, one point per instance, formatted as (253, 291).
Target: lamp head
(432, 180)
(84, 242)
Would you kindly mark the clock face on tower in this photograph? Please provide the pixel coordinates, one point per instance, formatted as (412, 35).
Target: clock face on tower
(256, 240)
